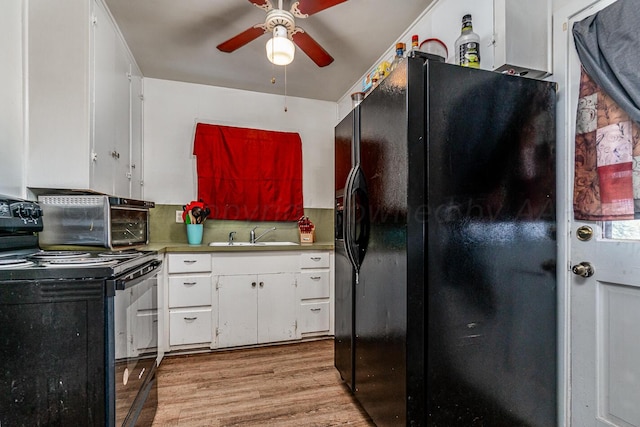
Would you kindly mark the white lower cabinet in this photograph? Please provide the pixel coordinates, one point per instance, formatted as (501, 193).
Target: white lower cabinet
(191, 301)
(314, 294)
(256, 309)
(233, 299)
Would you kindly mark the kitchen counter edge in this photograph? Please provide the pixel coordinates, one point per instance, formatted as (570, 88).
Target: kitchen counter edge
(169, 247)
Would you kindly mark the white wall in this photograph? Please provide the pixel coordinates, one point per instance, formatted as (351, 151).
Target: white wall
(171, 110)
(12, 138)
(442, 19)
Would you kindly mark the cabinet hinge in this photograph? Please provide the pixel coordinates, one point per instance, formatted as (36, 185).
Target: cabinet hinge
(94, 19)
(217, 331)
(295, 325)
(94, 156)
(141, 96)
(129, 175)
(129, 75)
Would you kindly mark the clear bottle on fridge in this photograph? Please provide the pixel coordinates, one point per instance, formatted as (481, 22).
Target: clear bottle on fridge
(468, 45)
(399, 56)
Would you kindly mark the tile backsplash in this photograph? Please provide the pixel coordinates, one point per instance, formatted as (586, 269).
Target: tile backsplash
(163, 227)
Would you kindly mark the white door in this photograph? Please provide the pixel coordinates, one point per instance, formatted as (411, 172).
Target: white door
(602, 314)
(276, 307)
(237, 310)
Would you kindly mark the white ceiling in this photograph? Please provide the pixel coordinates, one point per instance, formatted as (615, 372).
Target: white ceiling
(177, 39)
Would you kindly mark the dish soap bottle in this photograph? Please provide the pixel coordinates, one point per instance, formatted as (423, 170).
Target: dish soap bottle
(468, 45)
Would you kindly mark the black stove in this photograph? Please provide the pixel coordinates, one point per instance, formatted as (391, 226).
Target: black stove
(79, 329)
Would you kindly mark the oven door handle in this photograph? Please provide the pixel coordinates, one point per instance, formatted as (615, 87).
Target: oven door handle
(133, 278)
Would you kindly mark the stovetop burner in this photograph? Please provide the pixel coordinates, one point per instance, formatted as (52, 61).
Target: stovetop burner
(56, 255)
(15, 263)
(80, 262)
(128, 253)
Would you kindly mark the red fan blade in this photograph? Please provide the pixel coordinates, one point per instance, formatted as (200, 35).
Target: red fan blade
(311, 47)
(241, 39)
(263, 4)
(309, 7)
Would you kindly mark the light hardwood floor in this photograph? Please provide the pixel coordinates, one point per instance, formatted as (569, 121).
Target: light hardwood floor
(285, 385)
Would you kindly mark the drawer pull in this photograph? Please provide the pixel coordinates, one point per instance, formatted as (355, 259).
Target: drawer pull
(189, 283)
(315, 258)
(190, 319)
(316, 277)
(190, 261)
(316, 309)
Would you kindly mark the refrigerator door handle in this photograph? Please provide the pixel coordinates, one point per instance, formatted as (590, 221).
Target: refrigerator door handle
(357, 218)
(347, 219)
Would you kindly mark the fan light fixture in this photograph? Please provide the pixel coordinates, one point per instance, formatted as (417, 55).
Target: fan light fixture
(280, 50)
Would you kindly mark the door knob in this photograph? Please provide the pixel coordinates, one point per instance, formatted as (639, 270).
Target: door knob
(583, 269)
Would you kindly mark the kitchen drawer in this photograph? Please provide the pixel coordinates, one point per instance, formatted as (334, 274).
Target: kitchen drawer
(314, 317)
(190, 326)
(146, 332)
(189, 263)
(313, 284)
(189, 290)
(314, 260)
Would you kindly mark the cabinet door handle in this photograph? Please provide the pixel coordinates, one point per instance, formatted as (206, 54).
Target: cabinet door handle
(189, 283)
(189, 261)
(316, 277)
(190, 319)
(315, 258)
(253, 284)
(316, 309)
(261, 284)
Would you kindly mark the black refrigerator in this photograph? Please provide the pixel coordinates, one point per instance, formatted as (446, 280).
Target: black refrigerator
(445, 223)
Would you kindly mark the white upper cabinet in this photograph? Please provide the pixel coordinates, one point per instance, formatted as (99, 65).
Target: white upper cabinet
(514, 34)
(84, 109)
(522, 37)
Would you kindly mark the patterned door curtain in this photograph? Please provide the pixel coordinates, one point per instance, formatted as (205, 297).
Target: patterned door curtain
(607, 158)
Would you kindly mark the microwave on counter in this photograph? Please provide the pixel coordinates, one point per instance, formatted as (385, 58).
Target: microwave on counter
(94, 220)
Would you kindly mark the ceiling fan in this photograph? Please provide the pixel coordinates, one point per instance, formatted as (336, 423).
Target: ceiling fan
(282, 24)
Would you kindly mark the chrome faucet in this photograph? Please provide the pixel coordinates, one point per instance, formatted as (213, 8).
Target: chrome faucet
(252, 234)
(231, 235)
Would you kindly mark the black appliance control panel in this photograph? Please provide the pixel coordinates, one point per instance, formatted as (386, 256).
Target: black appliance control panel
(19, 215)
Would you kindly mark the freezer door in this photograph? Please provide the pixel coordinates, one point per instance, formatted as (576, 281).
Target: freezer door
(344, 272)
(381, 292)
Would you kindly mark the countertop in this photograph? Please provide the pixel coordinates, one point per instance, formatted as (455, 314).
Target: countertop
(171, 247)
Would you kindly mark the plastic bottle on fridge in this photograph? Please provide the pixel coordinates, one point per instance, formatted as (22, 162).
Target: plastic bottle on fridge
(414, 45)
(468, 45)
(399, 56)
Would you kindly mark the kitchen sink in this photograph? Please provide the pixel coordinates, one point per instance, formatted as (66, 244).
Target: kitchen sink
(222, 244)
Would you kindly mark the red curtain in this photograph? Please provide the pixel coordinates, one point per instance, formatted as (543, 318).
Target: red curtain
(249, 174)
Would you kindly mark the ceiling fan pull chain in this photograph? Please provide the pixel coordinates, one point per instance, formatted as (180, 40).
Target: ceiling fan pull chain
(285, 87)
